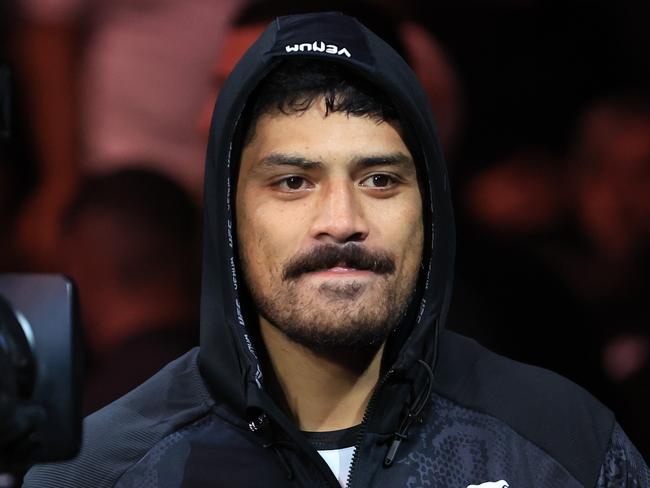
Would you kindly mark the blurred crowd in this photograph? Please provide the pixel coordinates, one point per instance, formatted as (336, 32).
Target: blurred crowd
(545, 121)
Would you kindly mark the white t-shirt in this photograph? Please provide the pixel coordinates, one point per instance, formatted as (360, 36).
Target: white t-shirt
(339, 461)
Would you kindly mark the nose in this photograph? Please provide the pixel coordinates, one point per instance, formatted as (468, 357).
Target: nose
(339, 216)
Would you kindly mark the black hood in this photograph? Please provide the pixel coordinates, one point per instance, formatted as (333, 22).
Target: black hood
(228, 359)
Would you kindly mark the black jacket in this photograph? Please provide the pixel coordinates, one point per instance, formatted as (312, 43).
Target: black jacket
(445, 413)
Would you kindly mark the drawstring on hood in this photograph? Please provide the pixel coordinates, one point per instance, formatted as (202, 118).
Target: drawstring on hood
(412, 414)
(228, 360)
(414, 410)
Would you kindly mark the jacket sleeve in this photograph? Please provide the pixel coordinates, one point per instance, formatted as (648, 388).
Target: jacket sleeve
(623, 466)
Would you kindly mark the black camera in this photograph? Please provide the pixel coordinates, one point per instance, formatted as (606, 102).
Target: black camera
(40, 356)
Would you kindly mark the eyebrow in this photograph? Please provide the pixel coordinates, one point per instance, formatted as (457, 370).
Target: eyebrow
(392, 159)
(278, 159)
(359, 162)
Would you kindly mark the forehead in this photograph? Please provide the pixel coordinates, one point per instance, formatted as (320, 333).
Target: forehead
(324, 137)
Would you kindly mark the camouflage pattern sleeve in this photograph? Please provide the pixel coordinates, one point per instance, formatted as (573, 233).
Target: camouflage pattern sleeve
(623, 466)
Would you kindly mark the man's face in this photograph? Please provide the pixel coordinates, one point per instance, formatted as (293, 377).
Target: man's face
(329, 222)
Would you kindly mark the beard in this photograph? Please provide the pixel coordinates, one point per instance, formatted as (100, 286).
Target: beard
(338, 315)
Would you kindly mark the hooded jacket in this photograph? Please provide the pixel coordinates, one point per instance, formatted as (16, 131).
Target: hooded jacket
(446, 412)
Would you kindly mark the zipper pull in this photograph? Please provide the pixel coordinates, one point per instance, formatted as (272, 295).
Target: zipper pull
(392, 450)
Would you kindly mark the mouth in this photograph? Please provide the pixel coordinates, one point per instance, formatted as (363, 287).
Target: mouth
(342, 270)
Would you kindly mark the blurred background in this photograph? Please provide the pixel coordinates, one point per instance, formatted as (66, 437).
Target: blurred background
(544, 113)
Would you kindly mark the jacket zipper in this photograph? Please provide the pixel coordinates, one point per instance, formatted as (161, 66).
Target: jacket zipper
(259, 424)
(364, 426)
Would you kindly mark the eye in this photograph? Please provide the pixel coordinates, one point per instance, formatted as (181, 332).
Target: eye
(292, 183)
(379, 181)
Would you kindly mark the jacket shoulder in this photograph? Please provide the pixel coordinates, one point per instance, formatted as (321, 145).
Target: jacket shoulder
(117, 436)
(548, 410)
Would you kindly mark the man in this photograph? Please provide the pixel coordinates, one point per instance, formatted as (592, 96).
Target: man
(327, 275)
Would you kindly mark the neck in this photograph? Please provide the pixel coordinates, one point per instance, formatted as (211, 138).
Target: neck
(323, 392)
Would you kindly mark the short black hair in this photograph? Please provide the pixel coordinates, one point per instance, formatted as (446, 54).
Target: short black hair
(297, 83)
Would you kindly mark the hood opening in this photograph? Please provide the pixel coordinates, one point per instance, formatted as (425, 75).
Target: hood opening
(231, 357)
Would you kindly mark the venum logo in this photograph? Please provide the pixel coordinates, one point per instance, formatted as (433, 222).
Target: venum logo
(318, 47)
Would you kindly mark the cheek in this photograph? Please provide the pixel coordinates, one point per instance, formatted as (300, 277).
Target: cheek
(252, 244)
(398, 227)
(267, 238)
(411, 235)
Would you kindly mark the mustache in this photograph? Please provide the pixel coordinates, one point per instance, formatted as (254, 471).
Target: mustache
(349, 255)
